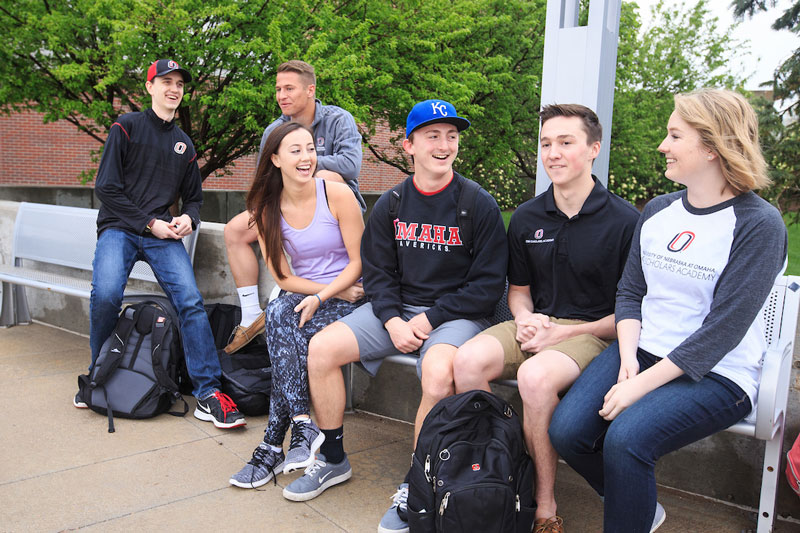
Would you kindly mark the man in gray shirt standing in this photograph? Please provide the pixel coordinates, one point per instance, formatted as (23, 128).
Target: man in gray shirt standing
(338, 146)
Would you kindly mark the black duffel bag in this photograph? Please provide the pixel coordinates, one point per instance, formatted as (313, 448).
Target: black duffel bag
(246, 374)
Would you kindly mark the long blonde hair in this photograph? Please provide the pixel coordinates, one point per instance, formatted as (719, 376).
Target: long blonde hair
(728, 126)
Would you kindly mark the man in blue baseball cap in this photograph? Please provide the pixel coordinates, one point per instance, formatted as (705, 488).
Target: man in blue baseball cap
(432, 277)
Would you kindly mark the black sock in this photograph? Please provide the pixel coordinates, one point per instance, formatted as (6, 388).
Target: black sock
(332, 448)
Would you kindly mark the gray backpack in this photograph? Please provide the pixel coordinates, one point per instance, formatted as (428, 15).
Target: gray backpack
(135, 373)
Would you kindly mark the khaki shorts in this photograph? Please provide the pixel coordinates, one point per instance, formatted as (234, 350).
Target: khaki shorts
(581, 348)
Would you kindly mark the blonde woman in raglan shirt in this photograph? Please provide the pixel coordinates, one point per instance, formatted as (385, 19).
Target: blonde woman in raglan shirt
(687, 362)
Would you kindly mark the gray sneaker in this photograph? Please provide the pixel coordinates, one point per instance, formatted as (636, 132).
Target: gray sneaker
(306, 440)
(317, 477)
(260, 469)
(659, 517)
(392, 522)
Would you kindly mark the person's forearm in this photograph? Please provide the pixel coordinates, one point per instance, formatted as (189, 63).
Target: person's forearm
(628, 337)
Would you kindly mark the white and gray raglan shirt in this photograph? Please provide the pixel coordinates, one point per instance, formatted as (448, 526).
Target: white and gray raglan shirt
(697, 279)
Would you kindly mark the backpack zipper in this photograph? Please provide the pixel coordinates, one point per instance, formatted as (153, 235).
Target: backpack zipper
(443, 505)
(428, 468)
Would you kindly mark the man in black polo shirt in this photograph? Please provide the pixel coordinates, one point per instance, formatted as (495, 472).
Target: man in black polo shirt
(567, 249)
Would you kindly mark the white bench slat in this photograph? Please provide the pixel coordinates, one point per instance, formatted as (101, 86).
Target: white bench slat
(62, 236)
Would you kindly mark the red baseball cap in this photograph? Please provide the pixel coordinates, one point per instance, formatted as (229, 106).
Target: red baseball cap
(165, 66)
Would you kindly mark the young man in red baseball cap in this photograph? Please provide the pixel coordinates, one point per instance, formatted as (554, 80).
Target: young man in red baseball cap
(147, 163)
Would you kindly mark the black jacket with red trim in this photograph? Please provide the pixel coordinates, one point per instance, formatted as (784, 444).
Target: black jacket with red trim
(147, 163)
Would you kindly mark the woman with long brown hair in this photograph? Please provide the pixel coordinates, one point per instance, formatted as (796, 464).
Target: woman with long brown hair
(316, 224)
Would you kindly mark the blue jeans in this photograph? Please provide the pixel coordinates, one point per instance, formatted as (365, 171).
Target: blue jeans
(618, 458)
(117, 251)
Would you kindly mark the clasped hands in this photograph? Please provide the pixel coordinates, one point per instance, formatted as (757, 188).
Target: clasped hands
(177, 228)
(408, 336)
(535, 332)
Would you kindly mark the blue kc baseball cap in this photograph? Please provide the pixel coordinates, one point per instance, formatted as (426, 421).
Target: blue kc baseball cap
(432, 111)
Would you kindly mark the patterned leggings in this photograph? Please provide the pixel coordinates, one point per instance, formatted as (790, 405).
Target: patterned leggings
(288, 353)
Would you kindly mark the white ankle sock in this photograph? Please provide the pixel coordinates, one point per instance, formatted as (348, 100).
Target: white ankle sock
(248, 300)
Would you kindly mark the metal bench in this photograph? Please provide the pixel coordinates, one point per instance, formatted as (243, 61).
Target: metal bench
(46, 238)
(767, 422)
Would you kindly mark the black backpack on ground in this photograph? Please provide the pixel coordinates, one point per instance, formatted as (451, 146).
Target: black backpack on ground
(136, 371)
(470, 471)
(246, 374)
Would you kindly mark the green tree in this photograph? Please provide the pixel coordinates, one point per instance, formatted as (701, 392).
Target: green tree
(780, 131)
(683, 49)
(84, 60)
(485, 56)
(781, 145)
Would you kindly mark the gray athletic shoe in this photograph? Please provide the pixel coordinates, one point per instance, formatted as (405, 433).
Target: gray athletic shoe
(392, 522)
(317, 477)
(659, 518)
(306, 440)
(260, 469)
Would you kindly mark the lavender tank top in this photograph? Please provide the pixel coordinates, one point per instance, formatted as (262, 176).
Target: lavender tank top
(317, 251)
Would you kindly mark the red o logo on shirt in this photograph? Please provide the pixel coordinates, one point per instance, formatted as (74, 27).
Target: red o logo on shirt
(539, 233)
(180, 147)
(681, 241)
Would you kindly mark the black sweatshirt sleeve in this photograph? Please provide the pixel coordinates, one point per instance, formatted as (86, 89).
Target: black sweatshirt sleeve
(109, 185)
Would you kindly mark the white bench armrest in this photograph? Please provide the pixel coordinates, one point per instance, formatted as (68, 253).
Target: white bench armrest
(774, 389)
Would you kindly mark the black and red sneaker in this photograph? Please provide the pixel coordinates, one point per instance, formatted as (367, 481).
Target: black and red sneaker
(221, 410)
(78, 402)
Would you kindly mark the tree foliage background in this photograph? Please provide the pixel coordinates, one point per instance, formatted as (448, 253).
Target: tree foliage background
(84, 61)
(780, 130)
(683, 49)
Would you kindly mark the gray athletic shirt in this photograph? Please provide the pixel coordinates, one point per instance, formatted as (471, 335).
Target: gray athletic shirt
(697, 279)
(337, 142)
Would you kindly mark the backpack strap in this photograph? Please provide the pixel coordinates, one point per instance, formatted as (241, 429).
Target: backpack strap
(394, 201)
(112, 359)
(466, 208)
(158, 335)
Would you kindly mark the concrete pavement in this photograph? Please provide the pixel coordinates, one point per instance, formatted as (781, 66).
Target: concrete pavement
(61, 470)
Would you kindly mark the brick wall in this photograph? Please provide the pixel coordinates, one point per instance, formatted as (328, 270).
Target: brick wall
(54, 154)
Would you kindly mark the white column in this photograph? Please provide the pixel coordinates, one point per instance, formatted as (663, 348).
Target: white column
(579, 67)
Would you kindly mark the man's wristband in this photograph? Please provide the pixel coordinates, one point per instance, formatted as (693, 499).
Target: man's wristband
(318, 298)
(149, 227)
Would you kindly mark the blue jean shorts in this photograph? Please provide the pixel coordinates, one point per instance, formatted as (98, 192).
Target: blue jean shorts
(374, 342)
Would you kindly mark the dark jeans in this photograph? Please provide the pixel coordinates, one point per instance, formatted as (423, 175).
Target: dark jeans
(117, 251)
(618, 458)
